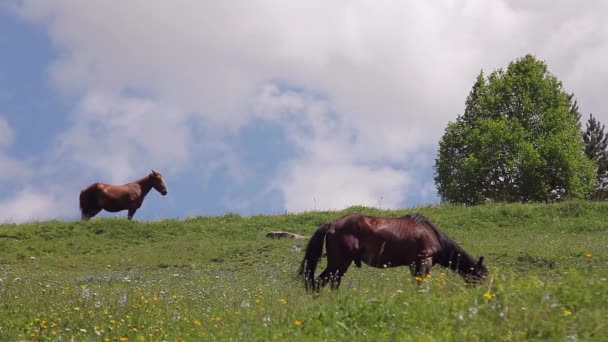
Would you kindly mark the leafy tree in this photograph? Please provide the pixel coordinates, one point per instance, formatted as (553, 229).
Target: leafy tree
(596, 148)
(518, 140)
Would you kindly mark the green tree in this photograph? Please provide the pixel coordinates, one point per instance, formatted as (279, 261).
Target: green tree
(574, 108)
(518, 140)
(596, 148)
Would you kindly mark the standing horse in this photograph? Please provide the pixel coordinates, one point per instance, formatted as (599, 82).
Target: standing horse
(411, 240)
(115, 198)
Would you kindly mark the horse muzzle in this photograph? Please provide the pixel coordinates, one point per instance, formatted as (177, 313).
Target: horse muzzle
(164, 192)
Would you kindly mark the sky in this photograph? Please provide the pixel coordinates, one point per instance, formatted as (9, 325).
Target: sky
(260, 107)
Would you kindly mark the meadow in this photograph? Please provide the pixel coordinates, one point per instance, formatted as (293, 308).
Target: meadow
(220, 278)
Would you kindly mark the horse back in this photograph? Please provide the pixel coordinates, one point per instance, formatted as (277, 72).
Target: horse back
(382, 241)
(112, 198)
(90, 190)
(406, 228)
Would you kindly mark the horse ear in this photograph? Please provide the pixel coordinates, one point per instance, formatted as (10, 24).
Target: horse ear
(480, 261)
(154, 172)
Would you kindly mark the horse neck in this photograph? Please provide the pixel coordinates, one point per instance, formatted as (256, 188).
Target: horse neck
(145, 184)
(457, 259)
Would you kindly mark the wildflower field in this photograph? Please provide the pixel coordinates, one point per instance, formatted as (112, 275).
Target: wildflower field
(220, 278)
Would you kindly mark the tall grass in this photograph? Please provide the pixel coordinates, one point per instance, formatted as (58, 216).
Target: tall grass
(220, 278)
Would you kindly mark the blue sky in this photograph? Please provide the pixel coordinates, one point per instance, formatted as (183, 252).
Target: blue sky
(25, 93)
(256, 107)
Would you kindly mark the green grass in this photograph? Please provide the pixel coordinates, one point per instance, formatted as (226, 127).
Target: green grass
(220, 278)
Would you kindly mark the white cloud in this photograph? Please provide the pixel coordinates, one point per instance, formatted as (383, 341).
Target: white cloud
(11, 169)
(379, 80)
(6, 133)
(330, 173)
(383, 65)
(31, 205)
(310, 184)
(29, 202)
(120, 135)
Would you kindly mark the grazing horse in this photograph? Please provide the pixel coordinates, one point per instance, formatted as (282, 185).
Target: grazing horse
(115, 198)
(411, 240)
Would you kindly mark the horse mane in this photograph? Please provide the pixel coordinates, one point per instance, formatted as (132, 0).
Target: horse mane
(451, 254)
(145, 178)
(422, 220)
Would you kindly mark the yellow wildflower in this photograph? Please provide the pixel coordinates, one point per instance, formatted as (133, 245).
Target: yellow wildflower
(488, 295)
(588, 255)
(282, 301)
(567, 312)
(297, 322)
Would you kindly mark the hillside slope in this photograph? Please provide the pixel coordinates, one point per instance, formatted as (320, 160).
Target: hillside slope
(220, 277)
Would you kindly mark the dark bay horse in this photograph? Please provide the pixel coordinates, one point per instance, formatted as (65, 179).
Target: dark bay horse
(411, 240)
(113, 198)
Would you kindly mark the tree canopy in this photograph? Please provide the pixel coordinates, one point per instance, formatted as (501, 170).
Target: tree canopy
(518, 140)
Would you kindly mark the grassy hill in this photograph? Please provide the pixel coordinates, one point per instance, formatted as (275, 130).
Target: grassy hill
(220, 278)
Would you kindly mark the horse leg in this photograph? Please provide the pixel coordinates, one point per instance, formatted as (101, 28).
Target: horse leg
(330, 269)
(427, 263)
(421, 268)
(339, 259)
(324, 278)
(340, 272)
(333, 275)
(131, 213)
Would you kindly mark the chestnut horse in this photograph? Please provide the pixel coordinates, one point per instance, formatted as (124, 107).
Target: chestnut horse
(411, 240)
(115, 198)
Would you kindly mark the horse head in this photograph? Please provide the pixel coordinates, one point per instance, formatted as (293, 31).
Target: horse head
(478, 273)
(158, 183)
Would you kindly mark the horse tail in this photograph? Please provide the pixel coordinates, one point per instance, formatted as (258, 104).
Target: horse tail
(313, 253)
(87, 198)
